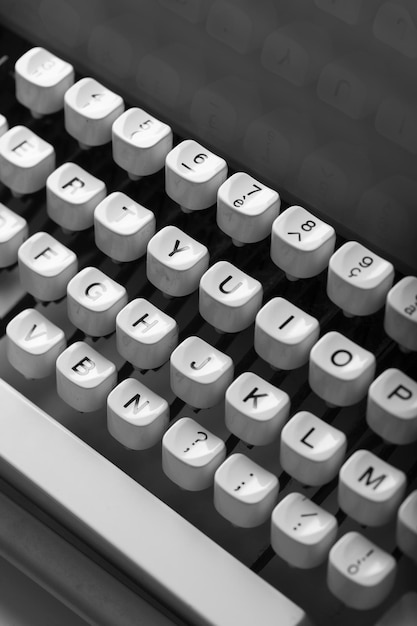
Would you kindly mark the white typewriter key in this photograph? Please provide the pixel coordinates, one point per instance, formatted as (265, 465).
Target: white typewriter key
(90, 110)
(4, 126)
(370, 489)
(402, 613)
(13, 232)
(312, 451)
(244, 492)
(229, 299)
(26, 160)
(72, 194)
(407, 526)
(122, 227)
(358, 280)
(136, 416)
(140, 142)
(255, 410)
(193, 175)
(359, 573)
(246, 208)
(392, 407)
(146, 336)
(41, 81)
(46, 266)
(301, 244)
(191, 454)
(340, 370)
(400, 321)
(84, 378)
(302, 532)
(175, 262)
(93, 302)
(33, 344)
(200, 374)
(284, 334)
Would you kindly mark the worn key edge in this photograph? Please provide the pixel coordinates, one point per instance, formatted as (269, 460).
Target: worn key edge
(198, 578)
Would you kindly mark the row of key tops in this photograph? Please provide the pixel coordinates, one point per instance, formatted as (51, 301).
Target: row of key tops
(341, 372)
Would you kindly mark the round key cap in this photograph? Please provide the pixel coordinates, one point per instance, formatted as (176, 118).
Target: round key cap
(193, 175)
(140, 142)
(145, 335)
(358, 280)
(90, 110)
(407, 526)
(33, 344)
(302, 532)
(359, 573)
(311, 450)
(93, 302)
(400, 321)
(244, 492)
(255, 410)
(46, 266)
(72, 194)
(13, 232)
(246, 208)
(392, 407)
(84, 378)
(136, 416)
(41, 80)
(370, 490)
(200, 374)
(191, 454)
(228, 298)
(26, 160)
(122, 227)
(340, 371)
(301, 244)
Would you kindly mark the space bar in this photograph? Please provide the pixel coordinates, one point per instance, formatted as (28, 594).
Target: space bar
(151, 542)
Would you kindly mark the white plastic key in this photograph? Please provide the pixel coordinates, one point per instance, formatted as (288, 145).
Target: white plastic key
(255, 410)
(400, 321)
(284, 334)
(391, 410)
(359, 573)
(145, 335)
(33, 344)
(122, 227)
(301, 244)
(358, 280)
(311, 451)
(370, 489)
(228, 298)
(46, 266)
(193, 175)
(302, 532)
(4, 126)
(26, 160)
(200, 374)
(191, 454)
(93, 302)
(140, 142)
(244, 492)
(340, 370)
(90, 110)
(41, 81)
(125, 532)
(246, 208)
(84, 378)
(136, 416)
(406, 532)
(175, 261)
(13, 232)
(72, 194)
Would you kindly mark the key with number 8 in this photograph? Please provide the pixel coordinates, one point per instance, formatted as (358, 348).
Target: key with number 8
(193, 175)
